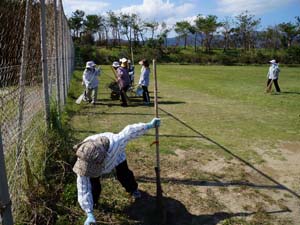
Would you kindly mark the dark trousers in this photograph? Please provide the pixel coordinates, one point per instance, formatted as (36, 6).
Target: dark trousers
(124, 175)
(146, 96)
(123, 95)
(275, 81)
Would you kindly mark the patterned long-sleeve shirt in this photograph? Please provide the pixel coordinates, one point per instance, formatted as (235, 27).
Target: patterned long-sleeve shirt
(115, 155)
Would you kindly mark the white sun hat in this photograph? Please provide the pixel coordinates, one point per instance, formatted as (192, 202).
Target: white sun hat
(90, 64)
(116, 64)
(123, 60)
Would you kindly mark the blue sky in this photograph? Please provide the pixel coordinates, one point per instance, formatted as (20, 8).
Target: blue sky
(271, 12)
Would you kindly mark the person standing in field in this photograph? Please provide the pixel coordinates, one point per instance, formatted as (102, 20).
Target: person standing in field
(144, 80)
(123, 80)
(273, 75)
(100, 154)
(91, 82)
(131, 73)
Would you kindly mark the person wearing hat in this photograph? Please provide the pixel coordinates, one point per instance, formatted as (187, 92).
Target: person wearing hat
(123, 80)
(91, 82)
(115, 65)
(101, 153)
(273, 75)
(144, 80)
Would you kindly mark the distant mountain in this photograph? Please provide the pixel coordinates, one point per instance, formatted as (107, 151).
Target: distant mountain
(175, 41)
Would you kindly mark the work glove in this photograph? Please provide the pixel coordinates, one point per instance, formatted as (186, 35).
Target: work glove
(155, 122)
(90, 219)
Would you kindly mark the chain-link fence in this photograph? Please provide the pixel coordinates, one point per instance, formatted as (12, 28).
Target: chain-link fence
(36, 63)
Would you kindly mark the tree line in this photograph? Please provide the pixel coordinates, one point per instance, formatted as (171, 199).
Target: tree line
(207, 31)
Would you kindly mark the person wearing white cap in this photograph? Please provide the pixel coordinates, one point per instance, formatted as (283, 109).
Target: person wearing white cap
(123, 80)
(115, 65)
(101, 153)
(273, 75)
(91, 82)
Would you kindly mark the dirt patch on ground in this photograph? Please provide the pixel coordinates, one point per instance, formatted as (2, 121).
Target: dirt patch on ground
(209, 189)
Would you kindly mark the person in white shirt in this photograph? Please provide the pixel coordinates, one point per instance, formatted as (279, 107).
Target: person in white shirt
(144, 80)
(101, 153)
(91, 82)
(273, 75)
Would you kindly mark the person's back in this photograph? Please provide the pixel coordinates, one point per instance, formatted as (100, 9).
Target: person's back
(273, 71)
(123, 76)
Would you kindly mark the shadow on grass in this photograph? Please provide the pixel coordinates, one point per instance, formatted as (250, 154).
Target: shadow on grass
(132, 103)
(144, 212)
(283, 187)
(290, 92)
(214, 183)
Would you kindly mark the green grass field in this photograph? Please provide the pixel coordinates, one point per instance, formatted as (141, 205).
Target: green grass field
(229, 151)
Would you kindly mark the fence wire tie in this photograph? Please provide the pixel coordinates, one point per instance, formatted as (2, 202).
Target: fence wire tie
(3, 206)
(154, 142)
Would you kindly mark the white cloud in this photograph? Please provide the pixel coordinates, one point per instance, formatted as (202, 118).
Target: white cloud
(88, 6)
(149, 10)
(256, 7)
(159, 10)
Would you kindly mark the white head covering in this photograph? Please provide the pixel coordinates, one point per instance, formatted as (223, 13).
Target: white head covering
(116, 64)
(123, 60)
(90, 64)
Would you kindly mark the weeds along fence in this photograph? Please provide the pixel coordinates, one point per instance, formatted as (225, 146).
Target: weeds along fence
(36, 63)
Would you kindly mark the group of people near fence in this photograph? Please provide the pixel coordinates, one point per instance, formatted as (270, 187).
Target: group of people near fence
(101, 153)
(124, 75)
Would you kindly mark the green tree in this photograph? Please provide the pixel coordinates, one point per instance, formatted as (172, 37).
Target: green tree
(227, 30)
(194, 31)
(76, 22)
(183, 29)
(246, 26)
(92, 25)
(164, 33)
(152, 26)
(271, 37)
(289, 31)
(113, 22)
(208, 25)
(126, 26)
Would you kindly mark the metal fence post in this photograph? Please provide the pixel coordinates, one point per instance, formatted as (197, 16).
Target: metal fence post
(44, 64)
(56, 57)
(24, 59)
(5, 203)
(62, 54)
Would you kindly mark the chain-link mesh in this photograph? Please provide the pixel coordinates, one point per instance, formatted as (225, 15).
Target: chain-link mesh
(22, 94)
